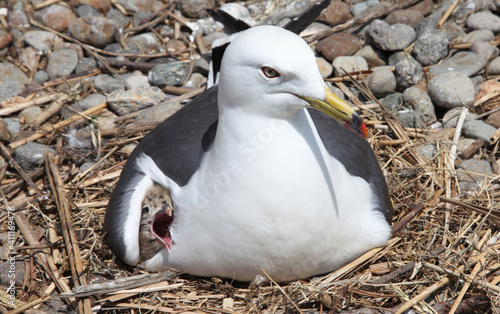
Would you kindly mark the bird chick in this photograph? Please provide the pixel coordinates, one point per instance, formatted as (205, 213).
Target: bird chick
(156, 218)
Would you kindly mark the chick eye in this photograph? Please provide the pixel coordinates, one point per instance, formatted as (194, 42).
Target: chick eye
(145, 209)
(270, 72)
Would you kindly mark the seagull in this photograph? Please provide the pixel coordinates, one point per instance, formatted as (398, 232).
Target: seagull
(260, 177)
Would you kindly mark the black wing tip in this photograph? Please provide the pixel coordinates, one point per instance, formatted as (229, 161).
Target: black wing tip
(303, 20)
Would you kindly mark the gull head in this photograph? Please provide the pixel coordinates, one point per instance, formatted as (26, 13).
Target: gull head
(269, 71)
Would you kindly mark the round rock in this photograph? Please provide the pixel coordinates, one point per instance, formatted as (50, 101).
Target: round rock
(135, 99)
(325, 67)
(450, 118)
(168, 74)
(410, 118)
(451, 89)
(479, 130)
(370, 56)
(470, 178)
(349, 64)
(408, 72)
(479, 35)
(62, 62)
(9, 72)
(96, 30)
(484, 20)
(420, 101)
(336, 45)
(10, 89)
(390, 37)
(431, 47)
(494, 68)
(408, 17)
(195, 8)
(381, 82)
(105, 83)
(337, 12)
(40, 40)
(58, 17)
(466, 62)
(31, 156)
(485, 49)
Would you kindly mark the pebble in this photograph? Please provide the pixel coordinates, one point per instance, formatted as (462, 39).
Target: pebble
(453, 31)
(195, 8)
(494, 119)
(431, 47)
(124, 102)
(337, 12)
(484, 20)
(10, 89)
(419, 100)
(408, 72)
(159, 112)
(9, 72)
(450, 118)
(479, 35)
(91, 101)
(41, 40)
(469, 178)
(408, 17)
(494, 67)
(195, 81)
(61, 63)
(390, 37)
(57, 17)
(239, 12)
(137, 5)
(349, 64)
(30, 113)
(105, 83)
(451, 89)
(86, 10)
(5, 39)
(86, 65)
(392, 102)
(95, 30)
(100, 5)
(138, 80)
(464, 143)
(325, 67)
(31, 155)
(359, 7)
(381, 82)
(40, 77)
(64, 45)
(118, 18)
(410, 118)
(169, 74)
(370, 56)
(13, 125)
(466, 62)
(487, 50)
(399, 56)
(146, 42)
(425, 7)
(339, 44)
(479, 130)
(4, 136)
(429, 150)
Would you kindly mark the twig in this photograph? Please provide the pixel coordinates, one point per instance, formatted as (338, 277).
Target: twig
(30, 305)
(281, 289)
(45, 4)
(33, 102)
(422, 295)
(447, 14)
(51, 110)
(482, 210)
(416, 210)
(64, 123)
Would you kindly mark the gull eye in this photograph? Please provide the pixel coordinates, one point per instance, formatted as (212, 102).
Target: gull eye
(270, 72)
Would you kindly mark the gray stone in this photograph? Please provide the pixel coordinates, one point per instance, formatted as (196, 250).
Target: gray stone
(408, 72)
(195, 8)
(13, 125)
(359, 7)
(450, 118)
(95, 30)
(392, 102)
(479, 130)
(168, 74)
(87, 165)
(201, 66)
(118, 18)
(86, 10)
(479, 35)
(410, 118)
(61, 63)
(390, 37)
(124, 102)
(325, 67)
(484, 49)
(494, 68)
(9, 72)
(105, 83)
(420, 101)
(399, 56)
(429, 150)
(431, 47)
(85, 65)
(453, 31)
(466, 62)
(41, 40)
(469, 178)
(91, 101)
(40, 77)
(464, 143)
(145, 41)
(427, 25)
(195, 81)
(407, 16)
(10, 89)
(381, 82)
(484, 20)
(159, 112)
(31, 156)
(136, 80)
(370, 56)
(451, 89)
(349, 64)
(30, 113)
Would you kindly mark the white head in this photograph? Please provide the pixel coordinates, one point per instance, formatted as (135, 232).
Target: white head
(266, 69)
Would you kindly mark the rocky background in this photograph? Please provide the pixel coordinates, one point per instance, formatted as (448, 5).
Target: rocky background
(81, 81)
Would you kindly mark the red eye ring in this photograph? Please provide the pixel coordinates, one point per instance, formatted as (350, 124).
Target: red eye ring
(270, 72)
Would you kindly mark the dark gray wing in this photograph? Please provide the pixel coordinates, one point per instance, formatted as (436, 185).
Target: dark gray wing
(355, 154)
(302, 21)
(176, 146)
